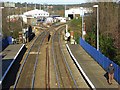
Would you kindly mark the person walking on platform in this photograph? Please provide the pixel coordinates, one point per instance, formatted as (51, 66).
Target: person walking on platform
(110, 73)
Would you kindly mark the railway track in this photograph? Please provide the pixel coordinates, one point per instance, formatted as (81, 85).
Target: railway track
(47, 72)
(26, 75)
(64, 75)
(35, 71)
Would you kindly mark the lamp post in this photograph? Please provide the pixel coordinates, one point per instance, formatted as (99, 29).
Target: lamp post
(26, 7)
(96, 6)
(40, 6)
(65, 11)
(35, 6)
(82, 21)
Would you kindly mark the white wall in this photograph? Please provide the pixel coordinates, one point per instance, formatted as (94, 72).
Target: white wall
(37, 13)
(77, 11)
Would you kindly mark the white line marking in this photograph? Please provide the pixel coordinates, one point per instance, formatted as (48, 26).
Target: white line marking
(11, 64)
(80, 68)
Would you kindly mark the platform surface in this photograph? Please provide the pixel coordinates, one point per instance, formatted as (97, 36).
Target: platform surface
(93, 70)
(8, 55)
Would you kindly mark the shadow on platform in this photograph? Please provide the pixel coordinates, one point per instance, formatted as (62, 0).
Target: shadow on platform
(10, 78)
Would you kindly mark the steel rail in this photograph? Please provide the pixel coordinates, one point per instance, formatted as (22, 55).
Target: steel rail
(65, 60)
(36, 61)
(55, 66)
(24, 61)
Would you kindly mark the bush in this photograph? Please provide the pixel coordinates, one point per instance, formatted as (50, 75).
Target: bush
(107, 47)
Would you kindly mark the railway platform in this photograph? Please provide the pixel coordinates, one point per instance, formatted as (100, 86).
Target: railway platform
(9, 55)
(95, 73)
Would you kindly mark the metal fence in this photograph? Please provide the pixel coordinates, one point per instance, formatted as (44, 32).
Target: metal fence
(100, 58)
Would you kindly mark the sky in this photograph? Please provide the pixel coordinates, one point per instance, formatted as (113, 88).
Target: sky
(49, 1)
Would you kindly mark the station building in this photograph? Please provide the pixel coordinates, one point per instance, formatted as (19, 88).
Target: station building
(77, 12)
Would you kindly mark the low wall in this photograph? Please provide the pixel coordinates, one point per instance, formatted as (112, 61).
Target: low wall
(100, 58)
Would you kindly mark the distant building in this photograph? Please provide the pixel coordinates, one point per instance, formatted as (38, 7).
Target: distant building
(54, 16)
(76, 12)
(31, 21)
(63, 20)
(36, 13)
(49, 20)
(7, 4)
(1, 4)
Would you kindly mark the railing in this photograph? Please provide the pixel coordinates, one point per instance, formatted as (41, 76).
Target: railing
(100, 59)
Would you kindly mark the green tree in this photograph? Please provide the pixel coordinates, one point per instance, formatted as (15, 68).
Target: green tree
(107, 47)
(91, 37)
(76, 25)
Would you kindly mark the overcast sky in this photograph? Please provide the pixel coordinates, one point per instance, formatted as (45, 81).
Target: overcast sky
(49, 1)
